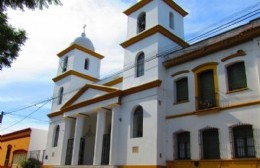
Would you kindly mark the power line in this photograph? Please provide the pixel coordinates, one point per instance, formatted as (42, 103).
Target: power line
(24, 117)
(163, 53)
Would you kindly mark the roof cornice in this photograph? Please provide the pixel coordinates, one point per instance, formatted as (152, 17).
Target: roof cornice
(244, 36)
(16, 135)
(136, 7)
(76, 46)
(75, 73)
(176, 7)
(152, 31)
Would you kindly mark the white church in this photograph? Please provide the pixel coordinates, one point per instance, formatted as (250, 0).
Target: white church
(196, 106)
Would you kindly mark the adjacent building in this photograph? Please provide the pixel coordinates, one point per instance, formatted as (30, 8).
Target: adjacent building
(174, 104)
(20, 145)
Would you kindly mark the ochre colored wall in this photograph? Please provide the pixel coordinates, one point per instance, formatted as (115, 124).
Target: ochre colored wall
(17, 143)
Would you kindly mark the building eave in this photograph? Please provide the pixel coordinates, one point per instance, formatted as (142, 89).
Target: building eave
(152, 31)
(75, 46)
(75, 73)
(176, 7)
(239, 38)
(136, 7)
(16, 135)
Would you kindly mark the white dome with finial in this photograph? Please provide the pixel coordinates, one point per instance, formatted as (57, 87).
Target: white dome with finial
(84, 42)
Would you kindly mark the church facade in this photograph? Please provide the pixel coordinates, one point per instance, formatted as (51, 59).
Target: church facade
(196, 106)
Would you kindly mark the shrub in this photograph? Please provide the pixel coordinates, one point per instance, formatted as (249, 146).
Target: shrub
(31, 163)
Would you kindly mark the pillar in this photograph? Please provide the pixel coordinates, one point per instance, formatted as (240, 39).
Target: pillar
(78, 134)
(114, 135)
(66, 136)
(100, 129)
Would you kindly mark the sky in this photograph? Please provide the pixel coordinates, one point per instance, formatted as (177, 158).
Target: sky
(49, 31)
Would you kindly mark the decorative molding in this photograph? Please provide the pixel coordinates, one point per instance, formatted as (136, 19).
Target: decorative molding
(16, 135)
(84, 89)
(180, 72)
(212, 110)
(244, 36)
(152, 31)
(137, 6)
(117, 93)
(176, 7)
(143, 87)
(75, 73)
(114, 82)
(239, 53)
(75, 46)
(205, 65)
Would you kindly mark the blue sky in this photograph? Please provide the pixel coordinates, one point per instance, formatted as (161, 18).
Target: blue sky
(29, 80)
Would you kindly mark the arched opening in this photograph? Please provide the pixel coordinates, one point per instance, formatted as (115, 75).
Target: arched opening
(138, 122)
(140, 65)
(56, 136)
(141, 22)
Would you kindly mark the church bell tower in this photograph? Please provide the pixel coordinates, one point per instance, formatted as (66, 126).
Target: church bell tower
(154, 26)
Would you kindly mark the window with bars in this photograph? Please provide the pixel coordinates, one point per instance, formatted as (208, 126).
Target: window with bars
(56, 136)
(210, 143)
(141, 22)
(182, 93)
(236, 76)
(183, 145)
(243, 141)
(206, 90)
(140, 65)
(60, 96)
(138, 122)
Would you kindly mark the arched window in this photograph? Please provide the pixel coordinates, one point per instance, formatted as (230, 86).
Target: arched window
(171, 20)
(86, 65)
(65, 64)
(56, 136)
(141, 22)
(60, 97)
(140, 65)
(138, 122)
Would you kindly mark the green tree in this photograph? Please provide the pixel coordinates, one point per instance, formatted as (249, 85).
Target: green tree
(11, 39)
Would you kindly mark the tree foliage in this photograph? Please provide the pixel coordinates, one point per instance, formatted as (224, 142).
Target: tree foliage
(11, 39)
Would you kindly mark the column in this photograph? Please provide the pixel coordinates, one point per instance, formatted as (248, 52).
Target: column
(77, 135)
(100, 129)
(114, 135)
(66, 136)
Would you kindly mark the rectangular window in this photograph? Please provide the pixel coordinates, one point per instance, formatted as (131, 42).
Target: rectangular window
(236, 76)
(183, 145)
(206, 96)
(182, 93)
(244, 141)
(171, 20)
(210, 141)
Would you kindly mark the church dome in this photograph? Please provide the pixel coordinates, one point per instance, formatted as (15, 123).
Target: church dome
(84, 42)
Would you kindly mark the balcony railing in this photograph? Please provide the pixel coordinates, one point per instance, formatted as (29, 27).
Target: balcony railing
(206, 103)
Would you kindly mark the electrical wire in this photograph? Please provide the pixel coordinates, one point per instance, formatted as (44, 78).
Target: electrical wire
(162, 54)
(24, 117)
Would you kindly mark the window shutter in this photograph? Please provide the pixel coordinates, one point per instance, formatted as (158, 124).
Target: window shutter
(231, 139)
(236, 76)
(182, 90)
(206, 90)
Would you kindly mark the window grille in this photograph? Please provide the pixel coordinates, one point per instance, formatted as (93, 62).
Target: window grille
(183, 145)
(210, 141)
